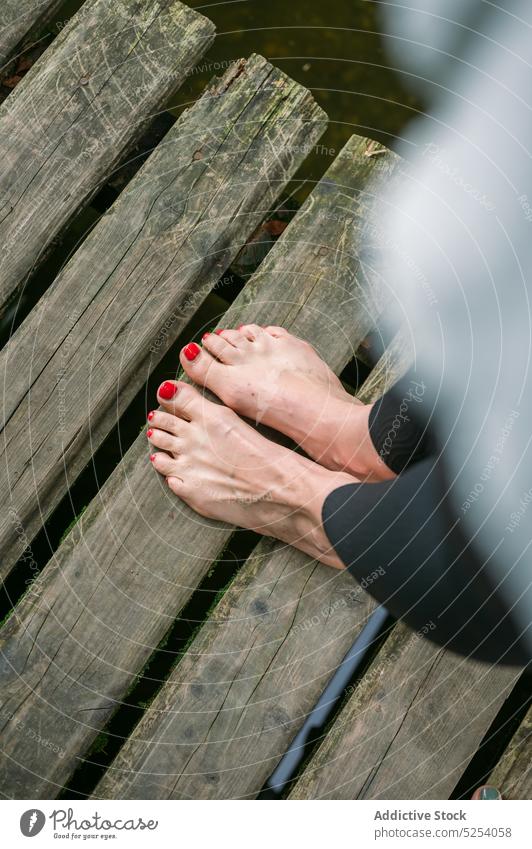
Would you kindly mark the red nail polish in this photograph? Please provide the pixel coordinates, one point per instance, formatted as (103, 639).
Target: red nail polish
(150, 416)
(152, 457)
(191, 351)
(219, 331)
(167, 390)
(149, 433)
(205, 336)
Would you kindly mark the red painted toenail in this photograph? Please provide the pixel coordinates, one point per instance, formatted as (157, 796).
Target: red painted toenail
(219, 331)
(150, 416)
(167, 390)
(152, 457)
(149, 433)
(191, 351)
(205, 336)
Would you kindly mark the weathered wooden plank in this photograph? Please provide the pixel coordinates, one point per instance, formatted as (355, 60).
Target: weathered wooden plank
(18, 19)
(513, 773)
(93, 617)
(87, 348)
(229, 710)
(220, 724)
(78, 109)
(410, 726)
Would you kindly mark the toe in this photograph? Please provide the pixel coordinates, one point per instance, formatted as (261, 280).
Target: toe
(219, 347)
(251, 331)
(234, 337)
(186, 402)
(165, 465)
(276, 331)
(164, 421)
(164, 440)
(176, 485)
(202, 368)
(166, 391)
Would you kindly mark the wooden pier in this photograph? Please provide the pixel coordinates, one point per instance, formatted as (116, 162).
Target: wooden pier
(85, 629)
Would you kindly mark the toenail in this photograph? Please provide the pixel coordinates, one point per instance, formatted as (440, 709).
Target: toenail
(167, 390)
(219, 331)
(152, 457)
(205, 336)
(191, 351)
(149, 433)
(150, 416)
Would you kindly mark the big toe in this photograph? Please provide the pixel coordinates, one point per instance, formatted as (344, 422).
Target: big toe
(181, 400)
(200, 366)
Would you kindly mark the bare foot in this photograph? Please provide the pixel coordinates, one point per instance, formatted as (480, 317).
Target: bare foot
(223, 469)
(274, 378)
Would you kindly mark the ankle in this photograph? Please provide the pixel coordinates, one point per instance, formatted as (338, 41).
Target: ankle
(306, 493)
(353, 450)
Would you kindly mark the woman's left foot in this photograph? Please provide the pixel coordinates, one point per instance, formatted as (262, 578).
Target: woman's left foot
(223, 469)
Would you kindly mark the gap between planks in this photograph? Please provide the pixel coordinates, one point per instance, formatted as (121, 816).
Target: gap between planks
(513, 773)
(19, 21)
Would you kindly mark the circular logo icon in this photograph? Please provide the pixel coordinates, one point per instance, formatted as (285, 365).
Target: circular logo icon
(32, 822)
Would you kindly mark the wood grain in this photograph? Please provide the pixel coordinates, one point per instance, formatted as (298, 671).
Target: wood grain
(91, 620)
(410, 727)
(92, 341)
(19, 19)
(513, 773)
(231, 707)
(79, 107)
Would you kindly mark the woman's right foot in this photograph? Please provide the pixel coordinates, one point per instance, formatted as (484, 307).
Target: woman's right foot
(225, 470)
(274, 378)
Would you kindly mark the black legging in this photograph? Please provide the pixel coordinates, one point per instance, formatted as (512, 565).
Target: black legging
(402, 540)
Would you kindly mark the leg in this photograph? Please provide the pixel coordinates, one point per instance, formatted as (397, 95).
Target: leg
(430, 572)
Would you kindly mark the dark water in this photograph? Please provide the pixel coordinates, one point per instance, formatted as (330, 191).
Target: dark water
(334, 48)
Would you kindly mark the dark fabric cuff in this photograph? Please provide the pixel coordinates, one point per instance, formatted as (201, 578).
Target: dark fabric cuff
(400, 543)
(397, 424)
